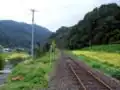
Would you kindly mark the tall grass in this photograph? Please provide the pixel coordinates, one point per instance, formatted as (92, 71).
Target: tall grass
(106, 48)
(104, 57)
(111, 58)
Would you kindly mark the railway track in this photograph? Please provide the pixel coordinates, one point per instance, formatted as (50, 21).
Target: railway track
(72, 74)
(86, 79)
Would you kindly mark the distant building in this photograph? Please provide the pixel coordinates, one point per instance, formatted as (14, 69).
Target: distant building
(7, 50)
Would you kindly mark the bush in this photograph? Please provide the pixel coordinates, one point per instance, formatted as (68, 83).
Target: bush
(16, 60)
(116, 74)
(96, 65)
(109, 64)
(1, 63)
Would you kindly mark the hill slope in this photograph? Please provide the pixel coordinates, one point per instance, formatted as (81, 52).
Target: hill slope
(100, 26)
(19, 34)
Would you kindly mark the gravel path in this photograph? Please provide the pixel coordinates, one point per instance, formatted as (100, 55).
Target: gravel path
(63, 79)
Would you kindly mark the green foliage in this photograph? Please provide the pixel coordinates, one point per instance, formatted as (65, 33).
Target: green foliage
(106, 48)
(96, 65)
(20, 86)
(116, 73)
(34, 74)
(100, 26)
(1, 62)
(47, 47)
(15, 57)
(41, 50)
(60, 36)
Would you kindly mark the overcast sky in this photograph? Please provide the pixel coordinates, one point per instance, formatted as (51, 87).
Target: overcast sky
(51, 14)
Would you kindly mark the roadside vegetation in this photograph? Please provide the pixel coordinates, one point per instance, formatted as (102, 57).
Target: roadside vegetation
(105, 58)
(13, 57)
(31, 74)
(16, 57)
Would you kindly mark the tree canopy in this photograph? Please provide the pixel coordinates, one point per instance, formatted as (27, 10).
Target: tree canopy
(100, 26)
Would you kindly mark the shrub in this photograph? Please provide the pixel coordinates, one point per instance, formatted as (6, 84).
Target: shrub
(1, 62)
(96, 65)
(16, 60)
(116, 74)
(109, 64)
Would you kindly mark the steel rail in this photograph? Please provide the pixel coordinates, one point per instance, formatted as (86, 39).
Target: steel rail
(90, 73)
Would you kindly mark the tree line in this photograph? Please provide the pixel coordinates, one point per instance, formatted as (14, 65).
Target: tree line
(100, 26)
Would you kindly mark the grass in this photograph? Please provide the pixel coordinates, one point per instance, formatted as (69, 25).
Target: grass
(30, 74)
(15, 55)
(111, 58)
(105, 58)
(115, 48)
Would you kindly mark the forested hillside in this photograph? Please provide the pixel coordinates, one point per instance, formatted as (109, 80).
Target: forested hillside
(16, 34)
(100, 26)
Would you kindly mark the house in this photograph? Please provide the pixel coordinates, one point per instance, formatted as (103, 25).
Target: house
(7, 50)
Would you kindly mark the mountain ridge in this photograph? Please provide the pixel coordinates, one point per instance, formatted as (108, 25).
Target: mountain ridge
(18, 34)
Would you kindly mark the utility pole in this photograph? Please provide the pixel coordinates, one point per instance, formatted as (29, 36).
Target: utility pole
(32, 42)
